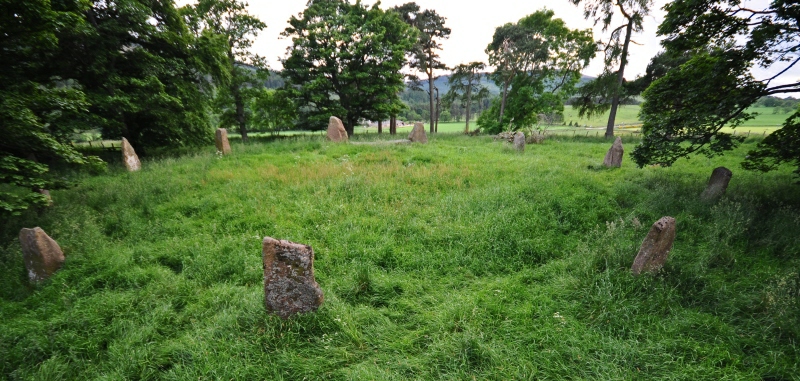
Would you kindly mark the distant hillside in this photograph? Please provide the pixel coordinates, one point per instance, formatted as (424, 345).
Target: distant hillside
(444, 87)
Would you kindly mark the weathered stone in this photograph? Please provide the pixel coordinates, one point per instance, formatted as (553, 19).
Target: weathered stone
(717, 184)
(41, 254)
(519, 141)
(655, 247)
(222, 141)
(289, 284)
(417, 134)
(129, 157)
(336, 131)
(614, 155)
(46, 194)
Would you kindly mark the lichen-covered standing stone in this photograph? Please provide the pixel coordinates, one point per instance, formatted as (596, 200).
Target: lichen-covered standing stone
(289, 284)
(417, 134)
(614, 155)
(655, 247)
(41, 254)
(129, 157)
(519, 141)
(336, 131)
(717, 184)
(222, 141)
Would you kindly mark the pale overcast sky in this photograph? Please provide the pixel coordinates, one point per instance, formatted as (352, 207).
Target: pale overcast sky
(473, 23)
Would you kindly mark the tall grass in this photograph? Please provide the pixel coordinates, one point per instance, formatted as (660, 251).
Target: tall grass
(460, 259)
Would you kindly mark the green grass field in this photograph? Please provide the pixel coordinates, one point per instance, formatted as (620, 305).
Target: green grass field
(457, 260)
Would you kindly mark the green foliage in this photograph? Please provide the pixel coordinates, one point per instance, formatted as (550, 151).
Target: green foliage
(685, 110)
(464, 82)
(273, 110)
(38, 111)
(451, 260)
(135, 63)
(424, 52)
(345, 61)
(782, 146)
(226, 32)
(538, 62)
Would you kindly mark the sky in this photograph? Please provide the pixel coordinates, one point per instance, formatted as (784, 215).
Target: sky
(473, 23)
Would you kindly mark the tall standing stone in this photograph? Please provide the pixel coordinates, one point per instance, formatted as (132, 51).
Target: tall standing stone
(519, 141)
(46, 194)
(222, 141)
(614, 155)
(289, 284)
(655, 247)
(417, 134)
(41, 254)
(336, 131)
(717, 184)
(129, 157)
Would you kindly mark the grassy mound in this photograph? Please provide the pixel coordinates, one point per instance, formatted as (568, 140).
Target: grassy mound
(460, 259)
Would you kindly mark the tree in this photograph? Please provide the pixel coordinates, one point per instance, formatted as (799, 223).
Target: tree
(425, 57)
(464, 81)
(38, 110)
(232, 31)
(345, 60)
(134, 61)
(538, 62)
(615, 49)
(685, 110)
(273, 110)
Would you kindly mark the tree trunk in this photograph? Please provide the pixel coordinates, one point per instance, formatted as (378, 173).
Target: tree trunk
(392, 125)
(469, 105)
(620, 77)
(239, 102)
(430, 94)
(503, 100)
(350, 126)
(380, 126)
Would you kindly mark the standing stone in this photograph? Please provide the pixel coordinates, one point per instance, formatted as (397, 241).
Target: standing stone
(519, 141)
(46, 194)
(717, 184)
(129, 157)
(614, 156)
(289, 284)
(41, 254)
(336, 131)
(655, 247)
(222, 141)
(417, 134)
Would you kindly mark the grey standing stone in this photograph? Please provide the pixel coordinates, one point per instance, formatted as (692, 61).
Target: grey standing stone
(519, 141)
(417, 134)
(655, 247)
(614, 155)
(41, 254)
(289, 284)
(336, 131)
(222, 141)
(129, 157)
(46, 194)
(717, 184)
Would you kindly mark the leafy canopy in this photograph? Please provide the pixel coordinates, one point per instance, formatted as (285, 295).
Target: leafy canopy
(685, 110)
(345, 61)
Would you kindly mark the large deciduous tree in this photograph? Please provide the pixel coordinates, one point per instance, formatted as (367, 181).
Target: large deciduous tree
(345, 60)
(425, 56)
(685, 110)
(464, 81)
(537, 63)
(607, 90)
(38, 109)
(226, 26)
(134, 60)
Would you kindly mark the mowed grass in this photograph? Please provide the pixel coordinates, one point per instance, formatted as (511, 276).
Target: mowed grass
(457, 260)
